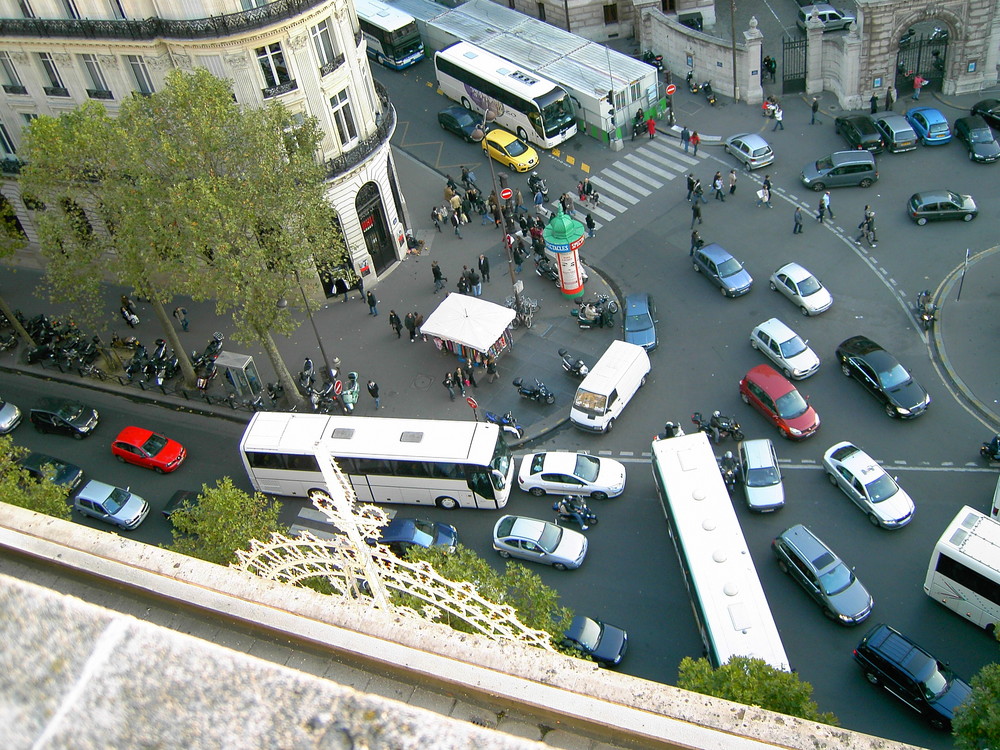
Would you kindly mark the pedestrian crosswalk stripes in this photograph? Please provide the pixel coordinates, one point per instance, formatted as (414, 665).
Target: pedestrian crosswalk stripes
(642, 173)
(627, 179)
(676, 151)
(664, 163)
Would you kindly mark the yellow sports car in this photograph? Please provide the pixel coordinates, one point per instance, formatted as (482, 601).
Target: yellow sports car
(510, 150)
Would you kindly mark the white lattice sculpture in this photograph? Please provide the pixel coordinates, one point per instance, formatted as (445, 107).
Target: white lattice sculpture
(360, 570)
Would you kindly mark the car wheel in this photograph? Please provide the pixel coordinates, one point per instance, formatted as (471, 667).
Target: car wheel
(159, 470)
(504, 554)
(723, 291)
(696, 268)
(783, 566)
(745, 397)
(845, 369)
(753, 343)
(511, 167)
(551, 399)
(832, 478)
(447, 503)
(613, 307)
(871, 677)
(890, 411)
(787, 373)
(78, 436)
(818, 187)
(971, 157)
(967, 217)
(804, 311)
(865, 183)
(921, 221)
(537, 491)
(874, 520)
(830, 615)
(558, 566)
(599, 495)
(773, 287)
(120, 459)
(610, 427)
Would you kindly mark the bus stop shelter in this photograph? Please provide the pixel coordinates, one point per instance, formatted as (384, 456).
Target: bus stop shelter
(471, 327)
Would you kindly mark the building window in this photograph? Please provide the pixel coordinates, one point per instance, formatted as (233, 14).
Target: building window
(117, 11)
(5, 142)
(143, 83)
(70, 7)
(343, 117)
(251, 4)
(28, 117)
(12, 81)
(323, 41)
(610, 14)
(98, 84)
(272, 65)
(55, 87)
(541, 11)
(636, 89)
(25, 7)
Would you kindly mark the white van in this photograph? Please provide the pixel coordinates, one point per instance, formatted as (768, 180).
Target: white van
(610, 385)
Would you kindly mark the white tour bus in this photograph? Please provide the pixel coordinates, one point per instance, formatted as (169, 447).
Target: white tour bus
(418, 461)
(531, 107)
(964, 571)
(728, 600)
(393, 39)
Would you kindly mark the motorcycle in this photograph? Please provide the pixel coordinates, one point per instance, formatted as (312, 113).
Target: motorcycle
(8, 342)
(205, 374)
(130, 318)
(537, 392)
(670, 430)
(709, 93)
(350, 395)
(537, 184)
(307, 375)
(138, 363)
(718, 427)
(211, 352)
(573, 367)
(275, 391)
(991, 450)
(926, 311)
(599, 312)
(651, 58)
(129, 342)
(546, 270)
(729, 470)
(692, 84)
(506, 422)
(574, 508)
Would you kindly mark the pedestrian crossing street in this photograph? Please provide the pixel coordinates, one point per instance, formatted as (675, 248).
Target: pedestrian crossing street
(636, 175)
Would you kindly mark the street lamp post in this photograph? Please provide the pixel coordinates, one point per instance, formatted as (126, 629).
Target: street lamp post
(329, 372)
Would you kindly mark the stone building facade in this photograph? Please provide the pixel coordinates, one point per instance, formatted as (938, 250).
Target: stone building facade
(309, 55)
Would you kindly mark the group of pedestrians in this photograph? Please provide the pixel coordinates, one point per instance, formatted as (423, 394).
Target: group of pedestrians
(457, 381)
(690, 139)
(413, 321)
(463, 202)
(721, 186)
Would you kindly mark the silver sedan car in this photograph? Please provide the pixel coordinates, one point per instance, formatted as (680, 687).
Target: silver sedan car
(802, 288)
(752, 150)
(539, 541)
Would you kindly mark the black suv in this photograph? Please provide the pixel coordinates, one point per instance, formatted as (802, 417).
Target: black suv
(860, 132)
(890, 659)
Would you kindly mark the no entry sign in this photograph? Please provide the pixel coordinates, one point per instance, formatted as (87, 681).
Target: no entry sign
(472, 402)
(506, 194)
(671, 89)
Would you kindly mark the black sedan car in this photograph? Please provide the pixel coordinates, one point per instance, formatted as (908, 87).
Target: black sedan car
(459, 121)
(978, 139)
(604, 643)
(860, 132)
(938, 205)
(62, 473)
(989, 110)
(64, 417)
(883, 377)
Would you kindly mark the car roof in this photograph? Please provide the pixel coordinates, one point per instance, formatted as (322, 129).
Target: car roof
(858, 461)
(857, 119)
(986, 104)
(96, 490)
(636, 303)
(807, 9)
(770, 380)
(715, 252)
(529, 528)
(52, 403)
(133, 434)
(559, 460)
(973, 122)
(860, 346)
(930, 113)
(758, 451)
(932, 195)
(751, 139)
(795, 271)
(501, 136)
(810, 545)
(893, 120)
(847, 157)
(776, 329)
(36, 460)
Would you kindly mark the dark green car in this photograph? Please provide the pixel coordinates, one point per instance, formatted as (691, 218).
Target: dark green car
(938, 205)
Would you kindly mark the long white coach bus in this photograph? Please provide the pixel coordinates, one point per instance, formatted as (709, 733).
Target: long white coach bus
(728, 600)
(533, 108)
(417, 461)
(964, 570)
(392, 35)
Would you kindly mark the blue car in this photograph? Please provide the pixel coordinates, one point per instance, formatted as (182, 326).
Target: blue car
(640, 325)
(930, 125)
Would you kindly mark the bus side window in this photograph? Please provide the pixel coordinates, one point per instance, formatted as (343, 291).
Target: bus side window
(266, 460)
(479, 482)
(302, 463)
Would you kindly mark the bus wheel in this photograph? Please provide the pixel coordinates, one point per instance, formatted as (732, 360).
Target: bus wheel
(991, 628)
(448, 503)
(465, 103)
(522, 134)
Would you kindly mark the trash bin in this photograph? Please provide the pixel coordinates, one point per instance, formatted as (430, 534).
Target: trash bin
(691, 20)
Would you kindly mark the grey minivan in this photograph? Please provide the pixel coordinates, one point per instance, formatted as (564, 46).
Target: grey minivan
(840, 169)
(760, 476)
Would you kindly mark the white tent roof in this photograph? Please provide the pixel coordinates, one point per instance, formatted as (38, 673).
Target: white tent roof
(469, 321)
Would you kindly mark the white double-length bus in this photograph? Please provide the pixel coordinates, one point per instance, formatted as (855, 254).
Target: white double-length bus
(964, 570)
(392, 35)
(729, 605)
(533, 108)
(416, 461)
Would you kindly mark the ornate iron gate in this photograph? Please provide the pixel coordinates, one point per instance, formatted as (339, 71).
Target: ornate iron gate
(925, 56)
(793, 65)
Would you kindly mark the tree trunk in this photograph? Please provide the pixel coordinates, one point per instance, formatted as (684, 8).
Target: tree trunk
(170, 333)
(284, 376)
(18, 328)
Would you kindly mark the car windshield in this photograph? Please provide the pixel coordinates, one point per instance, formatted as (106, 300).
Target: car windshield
(154, 444)
(638, 323)
(809, 285)
(464, 119)
(836, 580)
(792, 347)
(824, 163)
(587, 467)
(893, 377)
(791, 405)
(516, 147)
(70, 411)
(765, 476)
(881, 489)
(424, 532)
(729, 267)
(116, 501)
(550, 538)
(590, 635)
(956, 199)
(981, 135)
(937, 682)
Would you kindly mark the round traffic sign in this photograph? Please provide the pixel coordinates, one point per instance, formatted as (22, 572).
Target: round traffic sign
(506, 194)
(338, 387)
(671, 90)
(472, 402)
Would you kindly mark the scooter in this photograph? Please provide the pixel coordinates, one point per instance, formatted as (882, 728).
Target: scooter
(566, 507)
(926, 311)
(709, 94)
(130, 318)
(350, 395)
(206, 373)
(729, 470)
(692, 84)
(8, 342)
(991, 450)
(129, 342)
(307, 376)
(537, 184)
(211, 352)
(538, 392)
(545, 269)
(670, 430)
(573, 367)
(507, 423)
(653, 59)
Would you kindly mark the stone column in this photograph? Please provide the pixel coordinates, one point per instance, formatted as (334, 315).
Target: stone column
(854, 92)
(814, 55)
(642, 26)
(750, 81)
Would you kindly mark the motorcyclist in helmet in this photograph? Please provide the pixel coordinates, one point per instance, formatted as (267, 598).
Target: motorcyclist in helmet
(729, 469)
(574, 506)
(717, 423)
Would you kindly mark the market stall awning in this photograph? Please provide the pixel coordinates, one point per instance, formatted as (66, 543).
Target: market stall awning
(470, 321)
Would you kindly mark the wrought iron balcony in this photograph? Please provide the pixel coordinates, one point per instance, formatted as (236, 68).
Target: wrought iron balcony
(149, 29)
(55, 91)
(385, 124)
(281, 88)
(100, 94)
(331, 66)
(15, 89)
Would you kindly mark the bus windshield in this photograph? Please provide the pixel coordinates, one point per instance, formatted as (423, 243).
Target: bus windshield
(557, 110)
(500, 463)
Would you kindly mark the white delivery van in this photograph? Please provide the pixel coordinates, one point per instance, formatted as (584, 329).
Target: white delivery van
(610, 385)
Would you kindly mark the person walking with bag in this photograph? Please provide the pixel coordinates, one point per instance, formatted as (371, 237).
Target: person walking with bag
(449, 383)
(181, 314)
(690, 186)
(779, 117)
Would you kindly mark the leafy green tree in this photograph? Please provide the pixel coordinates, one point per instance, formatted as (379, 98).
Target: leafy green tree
(976, 725)
(223, 520)
(195, 195)
(19, 488)
(12, 240)
(753, 682)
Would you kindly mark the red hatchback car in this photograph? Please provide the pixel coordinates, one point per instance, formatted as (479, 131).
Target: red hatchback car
(768, 392)
(136, 445)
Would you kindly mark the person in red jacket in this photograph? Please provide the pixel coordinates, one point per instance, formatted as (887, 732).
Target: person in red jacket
(651, 127)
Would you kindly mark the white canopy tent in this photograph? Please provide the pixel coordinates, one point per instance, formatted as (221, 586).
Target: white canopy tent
(470, 322)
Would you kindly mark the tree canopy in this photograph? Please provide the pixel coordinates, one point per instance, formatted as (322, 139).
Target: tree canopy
(976, 725)
(17, 487)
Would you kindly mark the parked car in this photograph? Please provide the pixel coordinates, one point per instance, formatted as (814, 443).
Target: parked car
(402, 534)
(722, 269)
(509, 150)
(460, 121)
(604, 643)
(896, 132)
(64, 417)
(785, 349)
(930, 126)
(824, 576)
(860, 132)
(978, 139)
(142, 447)
(940, 205)
(760, 476)
(801, 288)
(833, 19)
(539, 541)
(840, 169)
(62, 473)
(989, 110)
(868, 486)
(883, 377)
(10, 417)
(890, 659)
(110, 504)
(640, 321)
(563, 473)
(750, 149)
(778, 400)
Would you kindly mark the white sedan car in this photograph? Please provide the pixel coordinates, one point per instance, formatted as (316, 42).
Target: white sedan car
(802, 288)
(789, 353)
(562, 473)
(868, 486)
